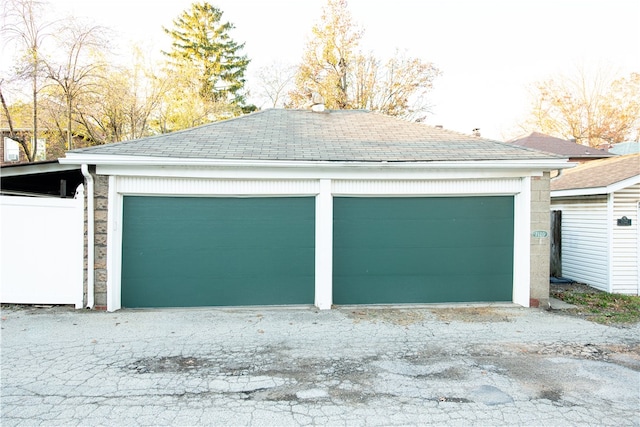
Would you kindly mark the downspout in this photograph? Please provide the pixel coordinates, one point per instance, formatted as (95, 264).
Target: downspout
(557, 176)
(610, 245)
(90, 236)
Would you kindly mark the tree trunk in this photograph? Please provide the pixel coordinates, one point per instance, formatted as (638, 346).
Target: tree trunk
(12, 134)
(35, 113)
(69, 139)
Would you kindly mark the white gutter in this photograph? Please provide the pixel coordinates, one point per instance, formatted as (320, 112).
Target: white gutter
(559, 174)
(90, 236)
(23, 169)
(612, 188)
(579, 192)
(113, 160)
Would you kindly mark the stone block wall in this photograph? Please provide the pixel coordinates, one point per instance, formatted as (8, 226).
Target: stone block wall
(540, 246)
(101, 198)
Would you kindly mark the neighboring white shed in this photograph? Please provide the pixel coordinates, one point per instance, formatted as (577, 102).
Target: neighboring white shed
(600, 204)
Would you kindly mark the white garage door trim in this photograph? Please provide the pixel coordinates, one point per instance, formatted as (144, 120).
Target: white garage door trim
(324, 190)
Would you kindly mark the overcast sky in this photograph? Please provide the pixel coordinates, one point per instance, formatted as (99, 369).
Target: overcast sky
(490, 52)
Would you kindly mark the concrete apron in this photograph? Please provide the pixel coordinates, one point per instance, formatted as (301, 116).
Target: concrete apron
(488, 365)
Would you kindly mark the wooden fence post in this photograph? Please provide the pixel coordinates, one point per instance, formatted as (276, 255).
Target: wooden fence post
(556, 244)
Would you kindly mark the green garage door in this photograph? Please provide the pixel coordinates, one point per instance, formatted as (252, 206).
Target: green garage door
(422, 250)
(194, 251)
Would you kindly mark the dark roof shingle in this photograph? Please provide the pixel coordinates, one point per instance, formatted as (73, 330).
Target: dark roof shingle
(598, 173)
(551, 144)
(303, 135)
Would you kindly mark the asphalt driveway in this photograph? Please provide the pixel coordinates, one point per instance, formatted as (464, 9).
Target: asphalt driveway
(490, 365)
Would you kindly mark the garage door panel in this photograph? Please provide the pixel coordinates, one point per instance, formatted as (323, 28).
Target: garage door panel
(217, 251)
(191, 296)
(412, 289)
(487, 234)
(236, 238)
(235, 262)
(418, 208)
(372, 262)
(412, 250)
(420, 233)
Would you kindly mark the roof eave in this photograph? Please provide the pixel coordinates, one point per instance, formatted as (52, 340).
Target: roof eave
(612, 188)
(21, 169)
(579, 192)
(118, 160)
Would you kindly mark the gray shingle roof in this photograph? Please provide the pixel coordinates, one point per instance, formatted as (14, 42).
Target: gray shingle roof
(551, 144)
(302, 135)
(598, 173)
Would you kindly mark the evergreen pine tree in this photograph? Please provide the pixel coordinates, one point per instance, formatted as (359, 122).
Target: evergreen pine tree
(201, 41)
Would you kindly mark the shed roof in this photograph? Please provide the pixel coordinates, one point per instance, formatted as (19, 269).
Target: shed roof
(551, 144)
(598, 173)
(625, 148)
(40, 178)
(303, 135)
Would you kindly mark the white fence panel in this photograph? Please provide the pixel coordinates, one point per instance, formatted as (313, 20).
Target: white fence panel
(42, 250)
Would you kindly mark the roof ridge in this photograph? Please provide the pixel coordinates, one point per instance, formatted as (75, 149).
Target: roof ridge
(332, 135)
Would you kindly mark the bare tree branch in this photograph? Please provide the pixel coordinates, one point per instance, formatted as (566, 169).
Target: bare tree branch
(592, 109)
(26, 27)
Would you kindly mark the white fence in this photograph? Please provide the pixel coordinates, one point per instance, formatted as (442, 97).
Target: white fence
(41, 253)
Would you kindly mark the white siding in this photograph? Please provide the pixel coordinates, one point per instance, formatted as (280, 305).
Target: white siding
(625, 255)
(585, 245)
(207, 187)
(427, 187)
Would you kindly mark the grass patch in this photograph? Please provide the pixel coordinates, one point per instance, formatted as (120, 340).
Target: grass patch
(602, 307)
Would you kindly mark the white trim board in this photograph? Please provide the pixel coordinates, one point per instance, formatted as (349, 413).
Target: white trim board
(163, 162)
(597, 190)
(324, 190)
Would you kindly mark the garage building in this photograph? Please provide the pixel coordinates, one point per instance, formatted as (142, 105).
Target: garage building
(295, 207)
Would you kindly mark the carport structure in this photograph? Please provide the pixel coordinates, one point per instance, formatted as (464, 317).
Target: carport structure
(287, 207)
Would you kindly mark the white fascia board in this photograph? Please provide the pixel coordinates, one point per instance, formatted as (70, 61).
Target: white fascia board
(597, 190)
(36, 168)
(147, 165)
(579, 192)
(624, 184)
(372, 171)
